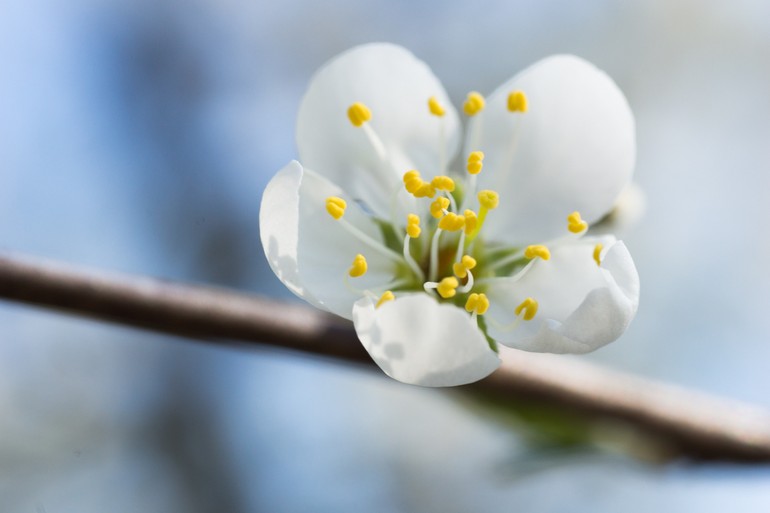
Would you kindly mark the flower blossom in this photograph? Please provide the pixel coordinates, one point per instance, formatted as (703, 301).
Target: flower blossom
(437, 263)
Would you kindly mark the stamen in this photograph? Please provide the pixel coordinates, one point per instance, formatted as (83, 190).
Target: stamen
(439, 206)
(386, 296)
(452, 222)
(462, 267)
(489, 199)
(475, 162)
(443, 183)
(597, 254)
(358, 114)
(477, 304)
(474, 103)
(369, 241)
(413, 226)
(517, 101)
(433, 269)
(359, 266)
(412, 181)
(415, 185)
(529, 307)
(435, 107)
(336, 207)
(447, 287)
(425, 190)
(537, 250)
(575, 223)
(471, 220)
(413, 265)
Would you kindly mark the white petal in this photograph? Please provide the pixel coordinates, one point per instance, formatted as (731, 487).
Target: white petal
(396, 87)
(309, 250)
(573, 150)
(419, 341)
(278, 224)
(582, 306)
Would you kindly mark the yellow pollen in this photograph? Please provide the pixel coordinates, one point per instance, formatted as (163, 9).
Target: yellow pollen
(438, 206)
(517, 101)
(475, 162)
(358, 114)
(597, 254)
(529, 307)
(443, 183)
(336, 206)
(412, 181)
(471, 220)
(575, 223)
(537, 250)
(425, 190)
(435, 107)
(489, 199)
(413, 226)
(446, 287)
(477, 303)
(384, 298)
(474, 103)
(359, 266)
(462, 267)
(452, 222)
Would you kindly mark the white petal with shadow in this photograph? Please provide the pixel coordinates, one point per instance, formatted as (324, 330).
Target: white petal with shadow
(582, 306)
(417, 340)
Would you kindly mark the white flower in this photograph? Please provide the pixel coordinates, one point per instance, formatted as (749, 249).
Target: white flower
(433, 270)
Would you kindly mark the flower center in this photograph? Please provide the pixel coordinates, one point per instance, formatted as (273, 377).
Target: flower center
(445, 255)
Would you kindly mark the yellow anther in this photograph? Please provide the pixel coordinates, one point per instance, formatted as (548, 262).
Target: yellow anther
(412, 181)
(446, 287)
(336, 206)
(488, 199)
(597, 254)
(529, 307)
(537, 250)
(462, 267)
(474, 103)
(425, 190)
(384, 298)
(358, 114)
(575, 223)
(359, 266)
(443, 183)
(475, 162)
(435, 107)
(452, 222)
(471, 220)
(477, 303)
(413, 226)
(517, 101)
(438, 206)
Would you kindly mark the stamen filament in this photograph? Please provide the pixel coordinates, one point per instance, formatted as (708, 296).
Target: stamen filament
(372, 243)
(375, 141)
(468, 285)
(411, 261)
(433, 269)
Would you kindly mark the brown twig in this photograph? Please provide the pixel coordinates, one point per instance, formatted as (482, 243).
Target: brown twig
(685, 422)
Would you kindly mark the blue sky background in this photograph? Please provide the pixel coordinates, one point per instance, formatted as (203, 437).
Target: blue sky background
(137, 136)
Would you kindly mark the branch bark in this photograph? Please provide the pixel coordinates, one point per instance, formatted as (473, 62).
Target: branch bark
(685, 422)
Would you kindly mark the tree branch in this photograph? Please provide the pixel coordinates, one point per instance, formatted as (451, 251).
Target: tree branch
(684, 422)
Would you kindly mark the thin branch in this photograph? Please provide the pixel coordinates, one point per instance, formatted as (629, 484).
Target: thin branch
(685, 422)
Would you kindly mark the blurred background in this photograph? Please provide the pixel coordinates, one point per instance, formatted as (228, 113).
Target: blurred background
(137, 136)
